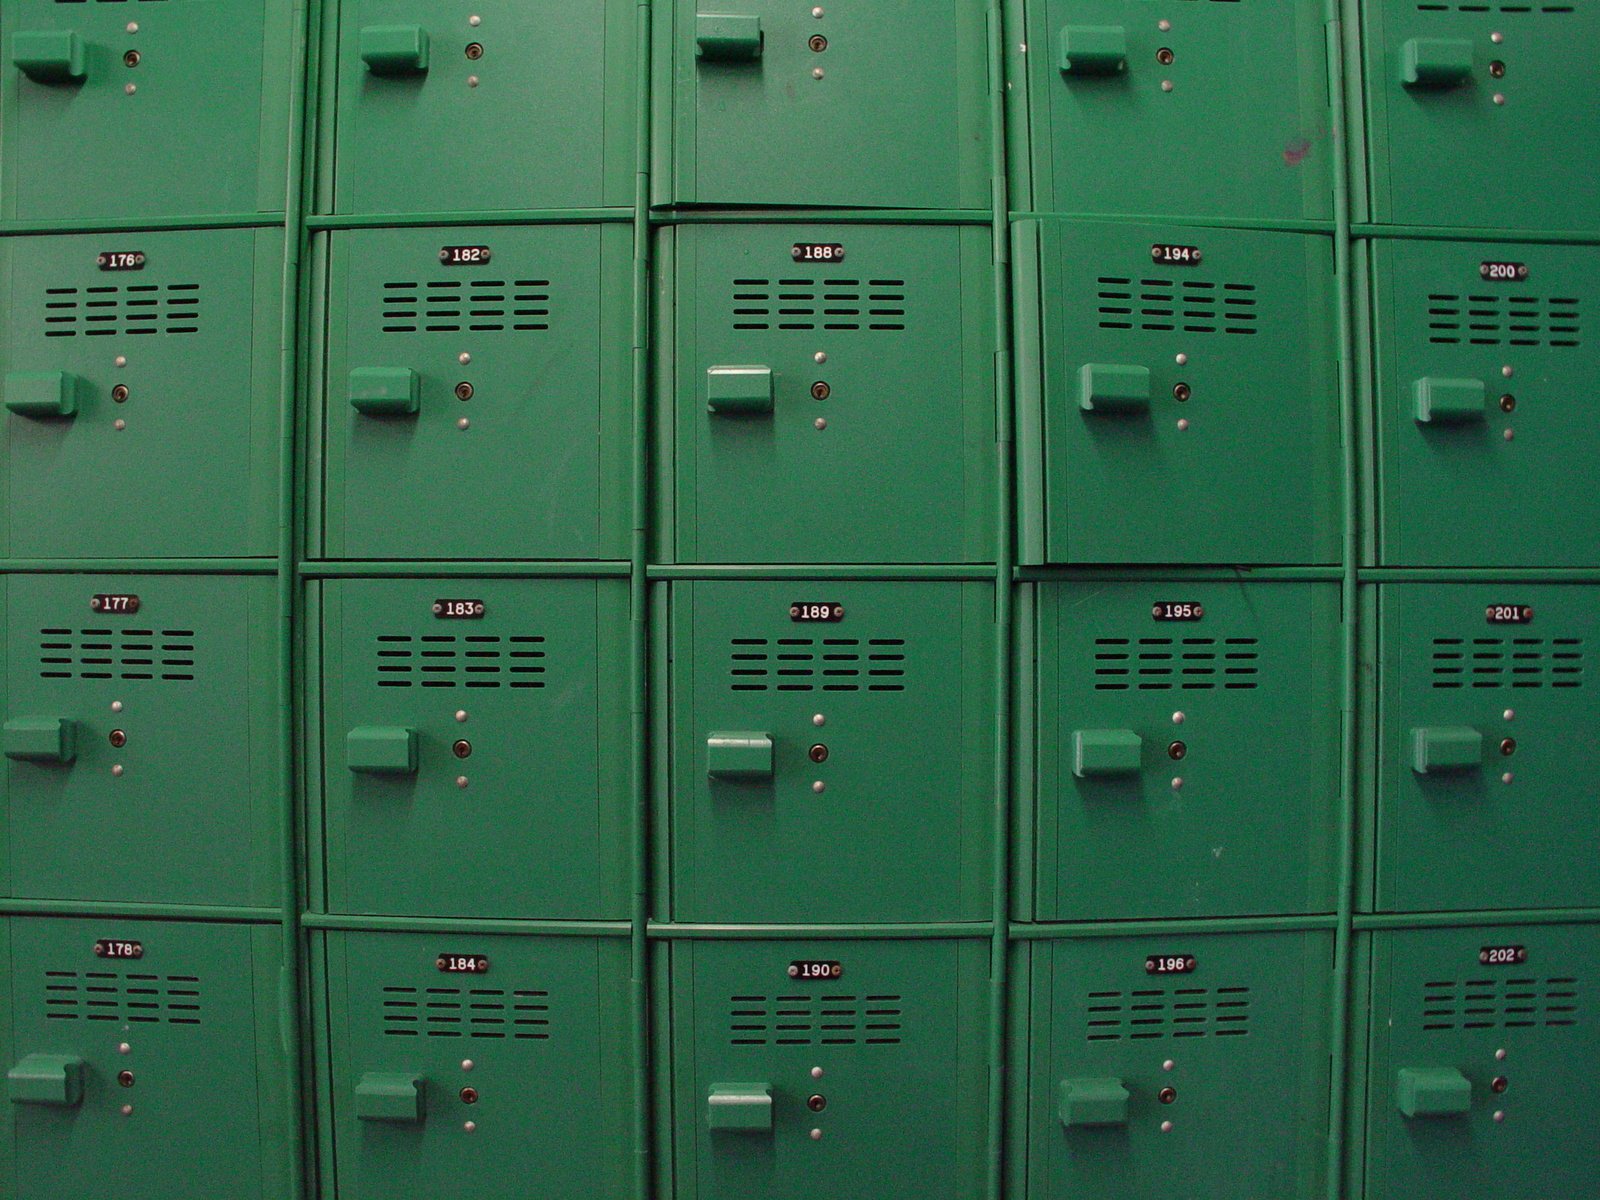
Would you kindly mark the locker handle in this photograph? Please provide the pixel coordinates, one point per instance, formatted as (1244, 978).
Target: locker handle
(728, 38)
(1446, 748)
(55, 1079)
(49, 56)
(385, 391)
(42, 394)
(41, 739)
(380, 750)
(1433, 1092)
(739, 391)
(1113, 388)
(1094, 50)
(1091, 1102)
(741, 757)
(1435, 62)
(1100, 753)
(740, 1108)
(1450, 401)
(391, 1096)
(395, 49)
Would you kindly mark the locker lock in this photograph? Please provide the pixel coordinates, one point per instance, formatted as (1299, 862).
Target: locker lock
(464, 391)
(131, 58)
(818, 1103)
(1497, 69)
(1181, 392)
(820, 391)
(1508, 746)
(1167, 1095)
(120, 393)
(469, 1095)
(118, 739)
(462, 749)
(1165, 56)
(1508, 403)
(819, 753)
(818, 43)
(474, 50)
(1499, 1084)
(125, 1078)
(1177, 750)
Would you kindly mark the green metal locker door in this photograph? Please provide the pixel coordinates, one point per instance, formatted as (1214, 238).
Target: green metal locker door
(1487, 446)
(1190, 407)
(832, 751)
(141, 389)
(468, 758)
(116, 110)
(852, 1069)
(1189, 749)
(467, 1066)
(828, 407)
(487, 104)
(1183, 1066)
(837, 106)
(1486, 714)
(144, 1062)
(1199, 111)
(140, 738)
(1481, 1075)
(475, 404)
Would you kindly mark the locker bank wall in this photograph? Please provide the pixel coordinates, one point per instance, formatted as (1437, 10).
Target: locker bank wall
(718, 600)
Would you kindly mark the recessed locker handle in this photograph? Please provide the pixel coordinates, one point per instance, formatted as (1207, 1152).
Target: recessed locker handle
(1432, 1092)
(1435, 62)
(1113, 388)
(1086, 1103)
(55, 1079)
(1446, 748)
(739, 756)
(1094, 50)
(1450, 401)
(739, 391)
(740, 1108)
(41, 739)
(41, 394)
(385, 391)
(49, 56)
(382, 750)
(1101, 753)
(391, 1096)
(395, 49)
(727, 37)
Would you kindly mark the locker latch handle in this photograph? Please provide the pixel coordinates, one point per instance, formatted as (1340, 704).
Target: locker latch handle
(1446, 748)
(41, 394)
(385, 391)
(55, 1079)
(1432, 1092)
(41, 739)
(727, 38)
(1435, 62)
(1099, 753)
(1091, 1102)
(739, 391)
(739, 756)
(391, 1096)
(382, 750)
(1094, 50)
(395, 49)
(739, 1108)
(1113, 388)
(49, 56)
(1450, 401)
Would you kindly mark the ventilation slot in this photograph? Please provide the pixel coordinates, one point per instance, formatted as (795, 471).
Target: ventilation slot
(1175, 664)
(818, 665)
(166, 654)
(1167, 1013)
(110, 1)
(1169, 306)
(470, 305)
(128, 999)
(1507, 662)
(814, 1020)
(448, 661)
(107, 311)
(448, 1012)
(1498, 8)
(1500, 1004)
(1502, 321)
(877, 305)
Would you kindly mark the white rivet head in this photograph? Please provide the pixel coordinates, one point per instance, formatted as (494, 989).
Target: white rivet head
(1166, 85)
(1499, 97)
(127, 1110)
(467, 1064)
(819, 719)
(1183, 424)
(820, 356)
(1508, 371)
(133, 27)
(130, 89)
(1510, 435)
(1179, 718)
(1499, 1056)
(1497, 38)
(474, 20)
(819, 787)
(119, 424)
(816, 1072)
(470, 1126)
(1164, 26)
(463, 359)
(116, 706)
(1506, 778)
(816, 1135)
(117, 770)
(124, 1048)
(821, 422)
(1499, 1115)
(1168, 1065)
(817, 12)
(816, 72)
(1510, 714)
(1177, 783)
(122, 360)
(1166, 1127)
(1183, 360)
(461, 781)
(461, 714)
(463, 423)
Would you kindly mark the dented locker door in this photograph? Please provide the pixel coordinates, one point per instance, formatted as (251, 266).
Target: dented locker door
(1486, 448)
(1189, 749)
(1486, 713)
(831, 769)
(141, 392)
(476, 395)
(1178, 364)
(141, 739)
(835, 387)
(464, 723)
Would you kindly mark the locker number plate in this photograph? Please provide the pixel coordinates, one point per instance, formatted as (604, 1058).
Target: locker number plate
(1175, 256)
(1177, 610)
(1509, 614)
(117, 948)
(464, 256)
(1502, 956)
(818, 252)
(1170, 964)
(1503, 272)
(103, 602)
(463, 964)
(818, 610)
(459, 610)
(120, 260)
(815, 969)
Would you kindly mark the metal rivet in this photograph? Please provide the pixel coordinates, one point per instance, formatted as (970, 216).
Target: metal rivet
(119, 424)
(470, 1126)
(816, 1072)
(1183, 424)
(1497, 38)
(467, 1064)
(1178, 718)
(1168, 1065)
(461, 781)
(127, 1110)
(819, 719)
(461, 714)
(133, 27)
(121, 360)
(116, 706)
(124, 1048)
(1164, 26)
(819, 787)
(117, 769)
(463, 359)
(474, 20)
(1499, 1115)
(816, 1135)
(1177, 783)
(1182, 360)
(820, 357)
(1510, 714)
(1500, 1056)
(1507, 372)
(1499, 97)
(1166, 85)
(1510, 435)
(1166, 1127)
(472, 81)
(817, 13)
(463, 423)
(1506, 778)
(816, 72)
(821, 422)
(130, 89)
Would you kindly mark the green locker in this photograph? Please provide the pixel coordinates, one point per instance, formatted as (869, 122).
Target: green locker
(144, 1061)
(482, 105)
(115, 110)
(828, 1068)
(1188, 759)
(1198, 111)
(475, 404)
(141, 387)
(1480, 1063)
(1478, 114)
(1486, 714)
(470, 734)
(1175, 363)
(141, 738)
(1179, 1065)
(465, 1066)
(1486, 450)
(832, 751)
(826, 408)
(828, 106)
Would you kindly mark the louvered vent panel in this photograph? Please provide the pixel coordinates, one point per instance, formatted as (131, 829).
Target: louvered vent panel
(875, 305)
(818, 664)
(1511, 1003)
(1162, 664)
(1178, 306)
(132, 309)
(470, 661)
(131, 998)
(166, 654)
(1178, 1012)
(519, 1014)
(842, 1020)
(1499, 320)
(1516, 662)
(466, 305)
